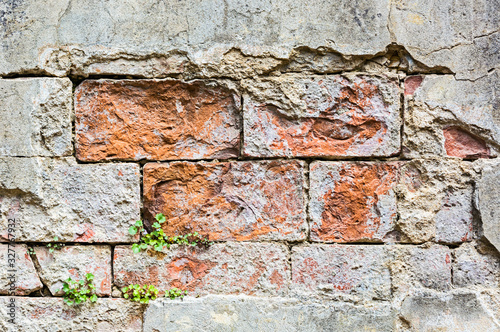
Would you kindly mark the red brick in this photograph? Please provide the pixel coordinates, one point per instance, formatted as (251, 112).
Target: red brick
(155, 120)
(412, 83)
(262, 200)
(462, 144)
(223, 268)
(329, 116)
(352, 201)
(343, 271)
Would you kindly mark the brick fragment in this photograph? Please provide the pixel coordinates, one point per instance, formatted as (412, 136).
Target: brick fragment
(228, 201)
(18, 275)
(75, 262)
(462, 144)
(352, 201)
(322, 116)
(347, 272)
(155, 120)
(223, 268)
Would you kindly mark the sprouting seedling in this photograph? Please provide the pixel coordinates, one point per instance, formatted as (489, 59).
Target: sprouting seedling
(76, 292)
(55, 246)
(157, 238)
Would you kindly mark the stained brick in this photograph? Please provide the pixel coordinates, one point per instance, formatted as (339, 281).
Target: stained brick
(223, 268)
(348, 272)
(352, 201)
(228, 201)
(155, 120)
(322, 116)
(75, 262)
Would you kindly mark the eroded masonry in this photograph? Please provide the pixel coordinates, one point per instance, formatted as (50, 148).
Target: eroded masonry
(340, 156)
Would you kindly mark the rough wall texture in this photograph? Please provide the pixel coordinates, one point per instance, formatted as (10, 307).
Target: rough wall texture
(342, 155)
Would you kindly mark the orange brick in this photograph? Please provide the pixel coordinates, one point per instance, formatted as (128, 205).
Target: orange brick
(262, 200)
(352, 201)
(155, 120)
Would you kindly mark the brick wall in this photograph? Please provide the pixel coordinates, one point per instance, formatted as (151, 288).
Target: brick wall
(348, 176)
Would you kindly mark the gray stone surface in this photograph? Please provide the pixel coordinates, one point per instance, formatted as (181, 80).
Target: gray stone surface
(35, 117)
(77, 203)
(75, 262)
(150, 38)
(424, 190)
(459, 35)
(243, 313)
(488, 191)
(419, 267)
(51, 315)
(441, 101)
(476, 265)
(17, 267)
(457, 312)
(354, 273)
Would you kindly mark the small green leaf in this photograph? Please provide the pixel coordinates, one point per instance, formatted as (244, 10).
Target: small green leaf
(138, 223)
(56, 238)
(132, 230)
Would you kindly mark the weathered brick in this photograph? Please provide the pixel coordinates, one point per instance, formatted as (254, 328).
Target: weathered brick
(454, 219)
(352, 201)
(76, 203)
(423, 267)
(75, 262)
(17, 267)
(155, 120)
(474, 265)
(51, 314)
(228, 201)
(35, 117)
(322, 116)
(245, 313)
(347, 272)
(434, 201)
(223, 268)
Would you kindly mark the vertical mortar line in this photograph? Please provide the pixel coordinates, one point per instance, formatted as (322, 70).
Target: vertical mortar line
(242, 122)
(402, 113)
(307, 188)
(112, 269)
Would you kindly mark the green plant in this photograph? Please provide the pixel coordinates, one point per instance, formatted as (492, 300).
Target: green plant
(76, 292)
(175, 293)
(55, 246)
(158, 240)
(142, 294)
(31, 251)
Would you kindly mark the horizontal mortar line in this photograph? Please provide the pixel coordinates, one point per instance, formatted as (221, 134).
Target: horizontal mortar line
(195, 77)
(281, 242)
(215, 160)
